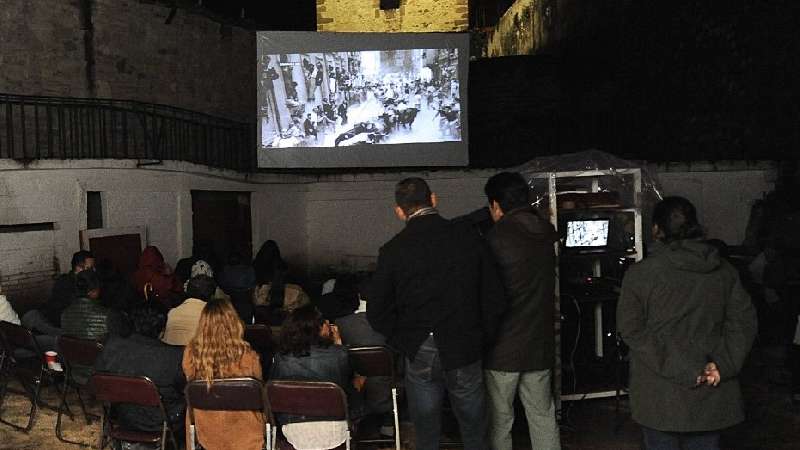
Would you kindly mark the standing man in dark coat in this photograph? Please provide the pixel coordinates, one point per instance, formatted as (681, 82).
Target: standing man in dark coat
(521, 360)
(434, 296)
(689, 325)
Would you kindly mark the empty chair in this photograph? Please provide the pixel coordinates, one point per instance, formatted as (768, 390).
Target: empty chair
(231, 394)
(377, 361)
(80, 352)
(308, 399)
(114, 389)
(24, 360)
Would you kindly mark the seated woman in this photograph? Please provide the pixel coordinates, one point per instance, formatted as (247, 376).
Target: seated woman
(311, 350)
(218, 350)
(271, 287)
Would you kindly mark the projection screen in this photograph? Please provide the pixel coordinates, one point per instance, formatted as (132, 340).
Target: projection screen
(330, 100)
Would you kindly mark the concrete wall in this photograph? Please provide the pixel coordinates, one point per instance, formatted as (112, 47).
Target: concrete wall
(320, 222)
(412, 16)
(156, 197)
(193, 62)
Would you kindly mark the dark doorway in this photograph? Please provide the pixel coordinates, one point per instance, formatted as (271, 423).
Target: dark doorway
(222, 220)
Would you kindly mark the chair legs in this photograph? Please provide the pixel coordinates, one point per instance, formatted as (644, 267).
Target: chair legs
(64, 407)
(396, 414)
(33, 395)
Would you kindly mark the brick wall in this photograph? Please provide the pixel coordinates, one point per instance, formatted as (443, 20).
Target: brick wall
(193, 62)
(27, 264)
(412, 16)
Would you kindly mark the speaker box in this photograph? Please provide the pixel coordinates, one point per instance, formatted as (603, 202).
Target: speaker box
(390, 4)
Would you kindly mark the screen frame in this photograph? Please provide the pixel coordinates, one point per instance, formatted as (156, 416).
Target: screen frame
(578, 248)
(427, 154)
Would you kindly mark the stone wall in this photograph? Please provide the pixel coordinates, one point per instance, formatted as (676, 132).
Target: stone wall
(123, 49)
(412, 16)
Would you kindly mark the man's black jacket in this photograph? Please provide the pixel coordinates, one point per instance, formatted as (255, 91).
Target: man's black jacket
(436, 276)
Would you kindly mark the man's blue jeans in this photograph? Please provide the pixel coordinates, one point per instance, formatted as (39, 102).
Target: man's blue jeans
(426, 382)
(664, 440)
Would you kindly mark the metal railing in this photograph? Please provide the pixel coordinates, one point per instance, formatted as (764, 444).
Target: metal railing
(34, 127)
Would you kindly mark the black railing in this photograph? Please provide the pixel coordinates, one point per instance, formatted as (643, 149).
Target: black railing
(33, 127)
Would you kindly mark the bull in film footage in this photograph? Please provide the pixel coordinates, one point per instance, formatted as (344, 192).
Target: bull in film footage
(359, 97)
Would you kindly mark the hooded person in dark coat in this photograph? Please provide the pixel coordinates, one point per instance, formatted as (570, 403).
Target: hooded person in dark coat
(155, 274)
(689, 325)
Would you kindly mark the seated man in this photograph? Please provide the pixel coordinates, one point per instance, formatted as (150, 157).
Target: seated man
(86, 317)
(183, 319)
(138, 352)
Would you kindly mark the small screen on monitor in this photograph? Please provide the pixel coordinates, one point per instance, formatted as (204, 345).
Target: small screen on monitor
(587, 233)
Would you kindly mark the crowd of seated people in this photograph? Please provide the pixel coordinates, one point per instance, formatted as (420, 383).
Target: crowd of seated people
(176, 328)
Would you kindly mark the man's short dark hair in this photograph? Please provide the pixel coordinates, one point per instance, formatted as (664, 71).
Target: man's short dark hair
(148, 321)
(509, 190)
(79, 258)
(412, 194)
(86, 282)
(676, 218)
(201, 287)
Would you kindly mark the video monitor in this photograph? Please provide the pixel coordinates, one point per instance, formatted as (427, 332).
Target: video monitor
(587, 233)
(361, 99)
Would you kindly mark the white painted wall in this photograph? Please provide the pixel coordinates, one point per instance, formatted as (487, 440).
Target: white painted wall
(157, 197)
(320, 222)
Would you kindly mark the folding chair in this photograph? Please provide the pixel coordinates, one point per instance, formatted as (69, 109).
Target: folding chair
(377, 361)
(306, 398)
(24, 360)
(73, 352)
(113, 389)
(231, 394)
(259, 336)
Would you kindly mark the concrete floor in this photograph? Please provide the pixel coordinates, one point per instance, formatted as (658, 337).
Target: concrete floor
(771, 422)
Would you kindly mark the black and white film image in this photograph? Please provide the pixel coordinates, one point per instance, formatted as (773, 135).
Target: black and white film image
(587, 233)
(359, 97)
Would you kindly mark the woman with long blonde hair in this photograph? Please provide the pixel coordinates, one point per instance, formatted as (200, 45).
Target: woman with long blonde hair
(218, 350)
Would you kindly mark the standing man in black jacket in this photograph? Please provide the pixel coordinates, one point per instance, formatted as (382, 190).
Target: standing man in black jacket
(435, 297)
(521, 360)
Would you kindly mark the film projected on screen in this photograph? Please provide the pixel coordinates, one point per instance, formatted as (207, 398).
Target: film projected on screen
(361, 100)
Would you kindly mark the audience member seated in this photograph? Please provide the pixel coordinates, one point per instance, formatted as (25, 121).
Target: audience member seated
(271, 287)
(138, 352)
(355, 330)
(202, 250)
(86, 317)
(154, 279)
(183, 319)
(237, 281)
(311, 350)
(118, 294)
(218, 350)
(7, 312)
(202, 267)
(47, 319)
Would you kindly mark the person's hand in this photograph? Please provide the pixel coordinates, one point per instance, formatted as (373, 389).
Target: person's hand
(358, 382)
(335, 336)
(710, 375)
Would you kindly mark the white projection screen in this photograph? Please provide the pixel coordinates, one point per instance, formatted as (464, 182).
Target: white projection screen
(348, 100)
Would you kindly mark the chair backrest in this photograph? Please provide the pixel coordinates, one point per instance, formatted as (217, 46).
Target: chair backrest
(307, 398)
(372, 361)
(79, 351)
(125, 389)
(16, 336)
(230, 394)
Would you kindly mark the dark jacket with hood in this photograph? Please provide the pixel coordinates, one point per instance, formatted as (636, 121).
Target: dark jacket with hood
(522, 243)
(679, 309)
(167, 290)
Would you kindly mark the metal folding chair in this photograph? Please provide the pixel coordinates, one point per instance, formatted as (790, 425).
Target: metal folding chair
(74, 351)
(309, 399)
(377, 361)
(231, 394)
(24, 360)
(114, 389)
